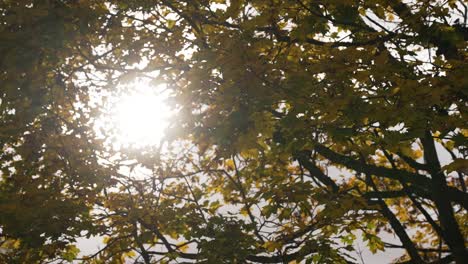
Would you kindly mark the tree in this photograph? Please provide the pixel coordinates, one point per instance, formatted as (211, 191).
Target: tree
(272, 97)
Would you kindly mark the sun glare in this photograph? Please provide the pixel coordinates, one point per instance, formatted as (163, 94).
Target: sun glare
(141, 116)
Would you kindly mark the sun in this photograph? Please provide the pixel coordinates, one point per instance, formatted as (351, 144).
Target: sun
(141, 115)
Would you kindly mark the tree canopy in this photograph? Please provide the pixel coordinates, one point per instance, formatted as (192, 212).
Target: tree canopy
(300, 128)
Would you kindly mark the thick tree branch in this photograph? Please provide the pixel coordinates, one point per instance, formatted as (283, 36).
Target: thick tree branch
(451, 231)
(314, 171)
(422, 184)
(397, 226)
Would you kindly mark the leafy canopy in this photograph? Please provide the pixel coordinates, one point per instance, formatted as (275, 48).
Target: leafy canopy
(301, 128)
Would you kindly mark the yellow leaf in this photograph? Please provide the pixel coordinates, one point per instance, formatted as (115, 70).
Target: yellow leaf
(182, 246)
(244, 211)
(17, 244)
(174, 235)
(417, 154)
(271, 245)
(229, 164)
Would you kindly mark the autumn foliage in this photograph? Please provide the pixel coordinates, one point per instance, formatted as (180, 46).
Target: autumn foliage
(301, 129)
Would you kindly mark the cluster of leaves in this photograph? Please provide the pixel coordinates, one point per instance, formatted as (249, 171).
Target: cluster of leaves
(301, 126)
